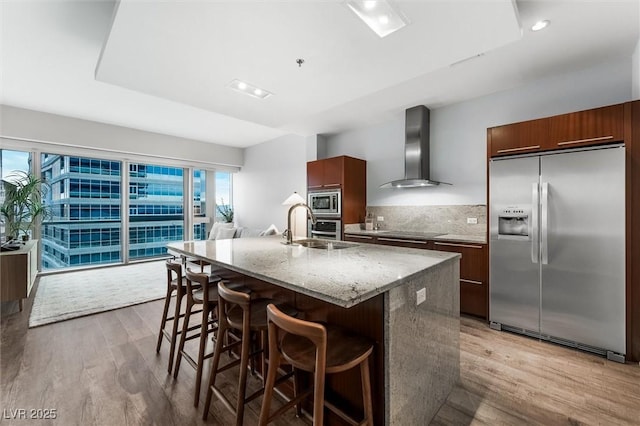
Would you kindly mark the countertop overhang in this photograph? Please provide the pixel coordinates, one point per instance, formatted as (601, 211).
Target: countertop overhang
(343, 277)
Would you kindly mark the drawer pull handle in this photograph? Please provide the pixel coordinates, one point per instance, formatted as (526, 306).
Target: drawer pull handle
(458, 245)
(524, 148)
(358, 236)
(471, 281)
(314, 186)
(402, 241)
(331, 184)
(602, 138)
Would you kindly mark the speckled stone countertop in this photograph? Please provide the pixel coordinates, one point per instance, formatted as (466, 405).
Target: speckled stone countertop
(417, 235)
(344, 277)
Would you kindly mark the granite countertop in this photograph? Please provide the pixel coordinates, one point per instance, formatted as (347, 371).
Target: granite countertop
(344, 277)
(417, 235)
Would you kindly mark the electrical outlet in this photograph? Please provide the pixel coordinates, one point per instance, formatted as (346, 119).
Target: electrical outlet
(380, 218)
(421, 296)
(472, 220)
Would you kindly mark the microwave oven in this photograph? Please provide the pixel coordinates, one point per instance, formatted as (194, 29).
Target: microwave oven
(326, 203)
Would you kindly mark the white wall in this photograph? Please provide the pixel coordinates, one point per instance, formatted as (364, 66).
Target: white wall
(272, 171)
(73, 132)
(636, 72)
(458, 134)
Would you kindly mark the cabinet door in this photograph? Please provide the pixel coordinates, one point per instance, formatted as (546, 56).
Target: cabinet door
(333, 172)
(401, 242)
(591, 127)
(315, 174)
(357, 238)
(528, 136)
(473, 276)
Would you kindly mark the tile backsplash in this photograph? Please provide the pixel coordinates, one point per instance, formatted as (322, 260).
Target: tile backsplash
(444, 219)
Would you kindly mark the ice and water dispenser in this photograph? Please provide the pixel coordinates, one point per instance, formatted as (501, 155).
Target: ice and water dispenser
(514, 223)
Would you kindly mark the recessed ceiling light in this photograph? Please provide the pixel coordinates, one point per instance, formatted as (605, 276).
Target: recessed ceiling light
(540, 25)
(380, 15)
(249, 89)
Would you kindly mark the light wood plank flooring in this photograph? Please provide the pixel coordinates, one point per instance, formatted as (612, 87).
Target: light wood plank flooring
(103, 370)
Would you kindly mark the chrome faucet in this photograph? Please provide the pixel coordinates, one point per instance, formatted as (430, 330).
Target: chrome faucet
(288, 232)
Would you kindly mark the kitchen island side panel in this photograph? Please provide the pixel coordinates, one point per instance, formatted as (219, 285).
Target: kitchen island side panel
(422, 345)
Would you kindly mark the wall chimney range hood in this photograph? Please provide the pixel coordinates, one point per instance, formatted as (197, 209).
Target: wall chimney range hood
(416, 151)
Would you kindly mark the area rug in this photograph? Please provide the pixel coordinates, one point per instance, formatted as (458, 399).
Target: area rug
(74, 294)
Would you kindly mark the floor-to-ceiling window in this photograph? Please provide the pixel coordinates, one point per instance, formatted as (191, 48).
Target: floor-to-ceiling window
(85, 223)
(11, 162)
(199, 204)
(156, 209)
(223, 193)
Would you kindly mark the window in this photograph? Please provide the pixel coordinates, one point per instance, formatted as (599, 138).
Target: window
(10, 162)
(223, 192)
(156, 205)
(85, 226)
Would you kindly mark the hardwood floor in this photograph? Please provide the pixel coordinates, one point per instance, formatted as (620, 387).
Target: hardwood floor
(508, 379)
(103, 370)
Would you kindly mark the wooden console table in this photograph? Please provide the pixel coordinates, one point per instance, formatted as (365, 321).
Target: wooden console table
(18, 271)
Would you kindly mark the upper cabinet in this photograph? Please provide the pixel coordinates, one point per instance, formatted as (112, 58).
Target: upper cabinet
(594, 126)
(326, 173)
(518, 138)
(583, 128)
(347, 174)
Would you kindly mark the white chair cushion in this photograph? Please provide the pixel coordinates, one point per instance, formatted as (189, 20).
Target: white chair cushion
(226, 233)
(217, 226)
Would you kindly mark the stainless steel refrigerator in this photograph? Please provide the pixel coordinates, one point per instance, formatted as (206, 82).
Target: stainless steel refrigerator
(557, 247)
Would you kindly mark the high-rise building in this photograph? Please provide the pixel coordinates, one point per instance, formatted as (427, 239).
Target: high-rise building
(86, 224)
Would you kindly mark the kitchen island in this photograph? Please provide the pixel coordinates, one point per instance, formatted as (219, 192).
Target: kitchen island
(407, 300)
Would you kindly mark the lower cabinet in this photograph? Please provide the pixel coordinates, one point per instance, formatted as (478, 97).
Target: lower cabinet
(18, 270)
(474, 276)
(474, 267)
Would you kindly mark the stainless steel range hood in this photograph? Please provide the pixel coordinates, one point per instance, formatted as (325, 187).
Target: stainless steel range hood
(416, 151)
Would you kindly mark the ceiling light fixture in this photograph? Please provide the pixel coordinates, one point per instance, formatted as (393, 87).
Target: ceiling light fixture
(249, 89)
(380, 15)
(540, 25)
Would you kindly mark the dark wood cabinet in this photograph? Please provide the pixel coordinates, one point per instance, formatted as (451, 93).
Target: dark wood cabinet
(474, 267)
(518, 138)
(591, 127)
(474, 276)
(347, 174)
(583, 128)
(327, 173)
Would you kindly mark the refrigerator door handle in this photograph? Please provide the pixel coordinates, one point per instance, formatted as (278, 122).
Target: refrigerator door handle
(544, 210)
(533, 223)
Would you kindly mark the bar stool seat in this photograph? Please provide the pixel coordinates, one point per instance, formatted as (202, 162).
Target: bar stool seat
(238, 312)
(345, 350)
(319, 349)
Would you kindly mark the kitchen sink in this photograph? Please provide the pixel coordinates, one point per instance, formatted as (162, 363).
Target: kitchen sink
(324, 244)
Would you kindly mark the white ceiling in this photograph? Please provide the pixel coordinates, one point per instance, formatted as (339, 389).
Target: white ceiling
(165, 65)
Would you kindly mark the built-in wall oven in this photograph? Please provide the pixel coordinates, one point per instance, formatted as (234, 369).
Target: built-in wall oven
(326, 203)
(326, 228)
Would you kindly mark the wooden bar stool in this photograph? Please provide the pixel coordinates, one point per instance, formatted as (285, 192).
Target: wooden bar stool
(238, 312)
(319, 349)
(173, 284)
(200, 290)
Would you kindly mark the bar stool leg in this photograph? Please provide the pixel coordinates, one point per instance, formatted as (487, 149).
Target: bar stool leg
(274, 362)
(204, 327)
(165, 311)
(174, 332)
(318, 393)
(366, 391)
(242, 381)
(183, 335)
(221, 338)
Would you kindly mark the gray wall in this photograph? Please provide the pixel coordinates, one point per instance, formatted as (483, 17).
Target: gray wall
(458, 134)
(73, 132)
(272, 171)
(636, 72)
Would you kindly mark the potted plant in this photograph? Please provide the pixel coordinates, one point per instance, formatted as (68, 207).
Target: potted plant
(22, 206)
(226, 211)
